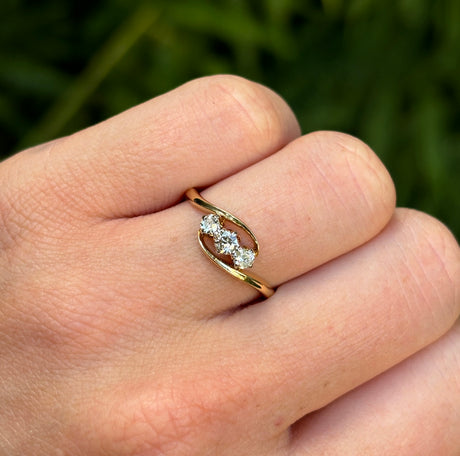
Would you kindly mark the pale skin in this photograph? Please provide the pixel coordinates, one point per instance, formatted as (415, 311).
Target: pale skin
(118, 337)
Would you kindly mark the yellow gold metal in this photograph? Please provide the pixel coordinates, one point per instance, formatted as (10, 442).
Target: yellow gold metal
(198, 201)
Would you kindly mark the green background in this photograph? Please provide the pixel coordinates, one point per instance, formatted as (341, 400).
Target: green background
(385, 71)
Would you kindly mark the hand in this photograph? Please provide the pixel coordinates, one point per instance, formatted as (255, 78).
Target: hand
(118, 336)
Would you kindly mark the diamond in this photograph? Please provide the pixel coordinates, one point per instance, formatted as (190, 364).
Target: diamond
(227, 242)
(243, 258)
(211, 225)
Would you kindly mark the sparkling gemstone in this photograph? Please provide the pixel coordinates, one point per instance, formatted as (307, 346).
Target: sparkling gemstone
(243, 258)
(211, 225)
(227, 242)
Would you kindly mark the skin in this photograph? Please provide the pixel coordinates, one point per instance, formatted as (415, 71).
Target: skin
(118, 337)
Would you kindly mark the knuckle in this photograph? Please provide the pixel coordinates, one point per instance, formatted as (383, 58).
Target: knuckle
(343, 144)
(358, 162)
(157, 422)
(163, 425)
(447, 354)
(172, 419)
(354, 179)
(31, 198)
(253, 109)
(437, 256)
(454, 361)
(11, 226)
(20, 216)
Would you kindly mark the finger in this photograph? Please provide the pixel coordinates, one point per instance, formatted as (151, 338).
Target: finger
(145, 158)
(413, 409)
(333, 329)
(321, 196)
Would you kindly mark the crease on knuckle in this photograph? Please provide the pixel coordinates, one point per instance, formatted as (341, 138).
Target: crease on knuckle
(8, 228)
(32, 211)
(180, 418)
(158, 422)
(454, 364)
(353, 176)
(437, 257)
(443, 359)
(17, 207)
(16, 211)
(368, 173)
(246, 105)
(445, 253)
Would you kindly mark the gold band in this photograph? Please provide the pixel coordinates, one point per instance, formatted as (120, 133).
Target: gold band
(227, 241)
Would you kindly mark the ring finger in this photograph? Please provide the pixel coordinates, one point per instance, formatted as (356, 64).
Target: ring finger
(319, 197)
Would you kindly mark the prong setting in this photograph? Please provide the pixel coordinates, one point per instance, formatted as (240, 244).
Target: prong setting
(227, 242)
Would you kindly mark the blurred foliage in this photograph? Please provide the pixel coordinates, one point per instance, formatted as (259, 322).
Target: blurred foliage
(387, 72)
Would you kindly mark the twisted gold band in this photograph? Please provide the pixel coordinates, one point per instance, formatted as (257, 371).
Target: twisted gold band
(227, 242)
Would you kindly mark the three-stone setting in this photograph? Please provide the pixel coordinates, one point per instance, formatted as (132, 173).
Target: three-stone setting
(227, 242)
(220, 231)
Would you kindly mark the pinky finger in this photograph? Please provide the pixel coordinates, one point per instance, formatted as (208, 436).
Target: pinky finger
(411, 410)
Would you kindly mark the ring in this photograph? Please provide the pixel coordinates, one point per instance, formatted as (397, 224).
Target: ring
(227, 243)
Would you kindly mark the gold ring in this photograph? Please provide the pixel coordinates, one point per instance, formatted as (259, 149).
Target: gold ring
(227, 243)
